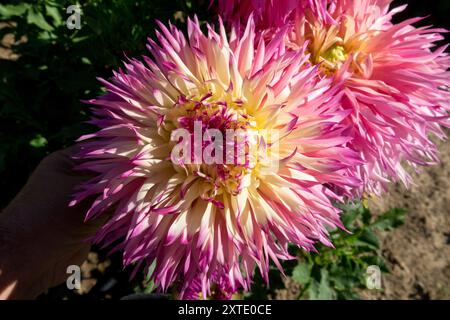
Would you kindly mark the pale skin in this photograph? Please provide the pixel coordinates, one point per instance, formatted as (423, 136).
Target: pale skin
(40, 235)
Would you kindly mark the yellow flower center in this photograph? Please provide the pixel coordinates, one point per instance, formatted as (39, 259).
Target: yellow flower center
(332, 59)
(335, 54)
(223, 143)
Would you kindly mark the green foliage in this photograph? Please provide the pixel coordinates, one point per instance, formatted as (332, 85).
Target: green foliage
(337, 273)
(147, 285)
(38, 142)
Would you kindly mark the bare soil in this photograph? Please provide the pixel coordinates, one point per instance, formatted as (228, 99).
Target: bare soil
(7, 42)
(418, 253)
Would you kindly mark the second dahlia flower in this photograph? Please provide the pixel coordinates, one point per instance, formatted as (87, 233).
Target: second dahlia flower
(393, 74)
(205, 225)
(393, 78)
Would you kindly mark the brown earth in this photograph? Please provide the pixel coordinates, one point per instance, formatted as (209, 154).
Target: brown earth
(7, 42)
(418, 253)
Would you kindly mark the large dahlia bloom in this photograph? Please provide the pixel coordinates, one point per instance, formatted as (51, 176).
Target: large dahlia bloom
(207, 226)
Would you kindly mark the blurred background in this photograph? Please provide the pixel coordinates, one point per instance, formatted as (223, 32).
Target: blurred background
(46, 69)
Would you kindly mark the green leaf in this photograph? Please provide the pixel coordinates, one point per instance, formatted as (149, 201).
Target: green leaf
(321, 290)
(313, 290)
(38, 142)
(149, 285)
(54, 13)
(81, 39)
(10, 10)
(342, 282)
(302, 273)
(37, 18)
(366, 216)
(349, 217)
(390, 219)
(369, 238)
(351, 212)
(85, 60)
(349, 295)
(325, 292)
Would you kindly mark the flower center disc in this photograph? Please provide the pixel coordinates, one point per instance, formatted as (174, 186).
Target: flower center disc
(221, 143)
(332, 59)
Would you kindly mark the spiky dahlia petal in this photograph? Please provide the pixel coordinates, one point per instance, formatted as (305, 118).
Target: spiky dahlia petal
(208, 226)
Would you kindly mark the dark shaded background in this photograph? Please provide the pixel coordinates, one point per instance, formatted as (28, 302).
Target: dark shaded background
(436, 12)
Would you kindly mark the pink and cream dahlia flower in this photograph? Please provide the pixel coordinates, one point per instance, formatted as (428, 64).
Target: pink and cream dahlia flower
(393, 75)
(207, 226)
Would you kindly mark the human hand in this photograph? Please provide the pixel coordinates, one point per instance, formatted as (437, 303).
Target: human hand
(40, 235)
